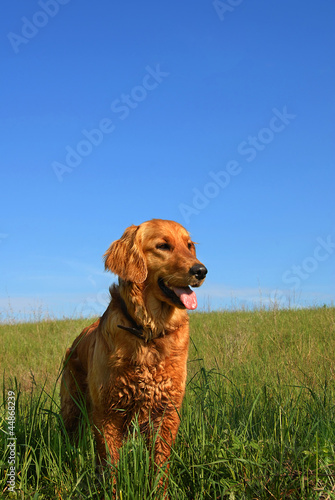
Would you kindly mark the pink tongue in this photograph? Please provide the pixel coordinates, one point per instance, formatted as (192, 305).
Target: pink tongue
(187, 297)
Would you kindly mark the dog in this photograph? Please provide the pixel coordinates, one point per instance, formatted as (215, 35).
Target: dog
(131, 363)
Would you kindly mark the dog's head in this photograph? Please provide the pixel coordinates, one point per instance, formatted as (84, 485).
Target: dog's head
(161, 255)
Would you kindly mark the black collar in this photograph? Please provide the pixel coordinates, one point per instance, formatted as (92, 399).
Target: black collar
(135, 329)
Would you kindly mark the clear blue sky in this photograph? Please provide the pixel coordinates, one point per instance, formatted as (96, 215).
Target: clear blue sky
(219, 115)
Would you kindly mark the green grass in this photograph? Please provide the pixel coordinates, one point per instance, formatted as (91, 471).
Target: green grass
(258, 419)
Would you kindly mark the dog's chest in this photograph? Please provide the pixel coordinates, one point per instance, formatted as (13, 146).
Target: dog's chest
(143, 388)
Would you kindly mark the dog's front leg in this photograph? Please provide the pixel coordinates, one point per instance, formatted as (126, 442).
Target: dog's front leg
(167, 428)
(109, 433)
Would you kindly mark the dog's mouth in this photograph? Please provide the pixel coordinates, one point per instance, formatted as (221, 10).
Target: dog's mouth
(181, 296)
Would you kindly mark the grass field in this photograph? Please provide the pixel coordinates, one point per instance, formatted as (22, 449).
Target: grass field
(258, 419)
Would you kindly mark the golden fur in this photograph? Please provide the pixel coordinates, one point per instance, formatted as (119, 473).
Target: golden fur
(112, 368)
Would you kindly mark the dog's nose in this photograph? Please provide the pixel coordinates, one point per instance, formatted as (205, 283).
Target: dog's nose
(199, 271)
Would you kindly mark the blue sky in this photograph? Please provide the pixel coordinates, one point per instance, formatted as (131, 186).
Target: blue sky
(219, 115)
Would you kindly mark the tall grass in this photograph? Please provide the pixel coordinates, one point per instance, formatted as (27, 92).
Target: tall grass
(258, 419)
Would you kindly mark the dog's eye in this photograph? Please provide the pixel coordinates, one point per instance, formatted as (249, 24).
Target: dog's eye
(163, 246)
(190, 246)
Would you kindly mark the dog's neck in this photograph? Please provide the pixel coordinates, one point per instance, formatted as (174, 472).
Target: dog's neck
(156, 318)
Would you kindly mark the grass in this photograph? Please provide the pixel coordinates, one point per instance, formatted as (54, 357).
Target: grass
(258, 419)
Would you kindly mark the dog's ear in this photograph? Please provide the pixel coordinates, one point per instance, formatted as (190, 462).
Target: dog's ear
(125, 257)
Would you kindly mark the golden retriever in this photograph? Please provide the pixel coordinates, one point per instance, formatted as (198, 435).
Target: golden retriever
(132, 361)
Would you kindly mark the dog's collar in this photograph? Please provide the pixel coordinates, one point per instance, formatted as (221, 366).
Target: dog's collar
(135, 329)
(137, 332)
